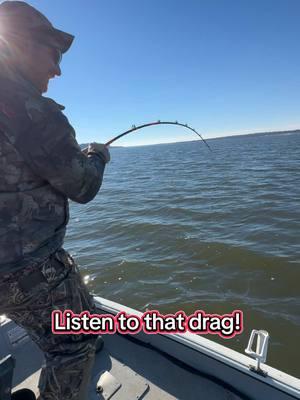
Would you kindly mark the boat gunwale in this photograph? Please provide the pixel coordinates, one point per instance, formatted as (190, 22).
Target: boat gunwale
(275, 378)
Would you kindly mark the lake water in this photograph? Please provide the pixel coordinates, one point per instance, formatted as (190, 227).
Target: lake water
(176, 227)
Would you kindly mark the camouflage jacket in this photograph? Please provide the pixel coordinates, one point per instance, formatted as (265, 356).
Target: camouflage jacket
(41, 167)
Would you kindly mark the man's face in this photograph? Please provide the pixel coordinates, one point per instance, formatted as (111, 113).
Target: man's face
(40, 64)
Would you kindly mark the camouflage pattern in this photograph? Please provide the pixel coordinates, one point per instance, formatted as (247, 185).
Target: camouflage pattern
(19, 20)
(29, 302)
(42, 166)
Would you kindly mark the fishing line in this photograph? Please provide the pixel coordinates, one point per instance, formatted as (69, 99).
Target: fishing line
(135, 128)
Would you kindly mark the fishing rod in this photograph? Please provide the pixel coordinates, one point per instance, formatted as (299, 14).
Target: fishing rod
(135, 128)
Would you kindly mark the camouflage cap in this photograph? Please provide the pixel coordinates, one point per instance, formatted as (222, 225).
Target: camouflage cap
(18, 18)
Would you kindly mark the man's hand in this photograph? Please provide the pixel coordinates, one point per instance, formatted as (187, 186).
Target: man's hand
(98, 148)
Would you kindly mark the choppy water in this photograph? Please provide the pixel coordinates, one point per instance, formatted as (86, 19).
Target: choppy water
(177, 227)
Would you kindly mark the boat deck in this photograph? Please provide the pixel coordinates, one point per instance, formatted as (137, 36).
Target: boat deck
(142, 372)
(156, 367)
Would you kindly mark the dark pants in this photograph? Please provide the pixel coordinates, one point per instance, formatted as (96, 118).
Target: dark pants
(28, 297)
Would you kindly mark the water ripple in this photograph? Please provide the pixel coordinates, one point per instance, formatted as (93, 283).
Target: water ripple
(177, 227)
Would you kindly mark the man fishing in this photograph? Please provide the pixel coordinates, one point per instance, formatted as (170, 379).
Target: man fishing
(42, 166)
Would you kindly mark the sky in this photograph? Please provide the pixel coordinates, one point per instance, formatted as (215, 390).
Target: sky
(223, 66)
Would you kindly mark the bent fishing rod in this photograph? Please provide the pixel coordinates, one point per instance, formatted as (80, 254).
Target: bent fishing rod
(135, 128)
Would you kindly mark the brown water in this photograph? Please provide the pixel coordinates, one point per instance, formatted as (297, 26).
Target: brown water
(176, 227)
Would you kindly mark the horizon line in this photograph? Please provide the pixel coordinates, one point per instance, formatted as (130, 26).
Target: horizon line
(218, 137)
(260, 132)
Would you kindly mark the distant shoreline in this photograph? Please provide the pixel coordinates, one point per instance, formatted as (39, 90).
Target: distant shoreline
(82, 146)
(258, 134)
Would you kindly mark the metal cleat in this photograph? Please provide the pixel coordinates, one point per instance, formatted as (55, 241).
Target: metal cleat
(260, 354)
